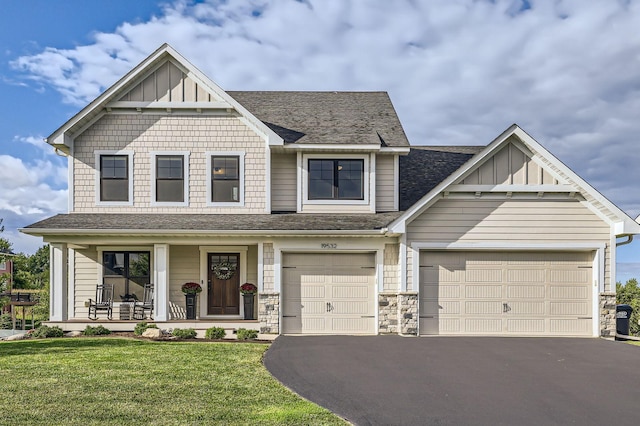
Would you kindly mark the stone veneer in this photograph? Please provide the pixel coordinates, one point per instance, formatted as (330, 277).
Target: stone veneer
(607, 314)
(388, 313)
(408, 304)
(269, 313)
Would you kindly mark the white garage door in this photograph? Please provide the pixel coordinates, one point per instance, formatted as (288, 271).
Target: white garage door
(328, 293)
(513, 293)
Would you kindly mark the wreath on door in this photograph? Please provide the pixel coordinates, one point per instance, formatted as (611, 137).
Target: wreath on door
(224, 270)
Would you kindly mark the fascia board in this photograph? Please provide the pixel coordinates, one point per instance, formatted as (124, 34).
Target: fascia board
(426, 201)
(39, 232)
(332, 147)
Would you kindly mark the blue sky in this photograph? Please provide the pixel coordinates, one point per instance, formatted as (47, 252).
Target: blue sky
(458, 72)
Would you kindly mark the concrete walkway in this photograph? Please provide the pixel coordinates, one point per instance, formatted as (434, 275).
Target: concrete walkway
(391, 380)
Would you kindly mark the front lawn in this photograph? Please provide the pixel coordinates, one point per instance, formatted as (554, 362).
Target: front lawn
(119, 381)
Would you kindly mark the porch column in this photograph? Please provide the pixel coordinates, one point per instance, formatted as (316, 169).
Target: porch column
(161, 282)
(58, 276)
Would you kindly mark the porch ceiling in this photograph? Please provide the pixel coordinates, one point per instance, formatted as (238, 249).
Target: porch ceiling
(90, 223)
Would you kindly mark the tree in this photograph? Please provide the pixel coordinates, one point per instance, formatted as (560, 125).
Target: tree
(629, 294)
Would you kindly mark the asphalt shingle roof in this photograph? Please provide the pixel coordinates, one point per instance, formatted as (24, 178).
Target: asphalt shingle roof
(327, 117)
(427, 166)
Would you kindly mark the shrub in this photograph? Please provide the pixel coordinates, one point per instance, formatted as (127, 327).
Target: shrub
(245, 334)
(184, 333)
(5, 322)
(215, 333)
(141, 327)
(96, 331)
(45, 331)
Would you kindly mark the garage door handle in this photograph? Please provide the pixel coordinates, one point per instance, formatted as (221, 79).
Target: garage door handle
(329, 307)
(585, 317)
(427, 316)
(289, 316)
(367, 316)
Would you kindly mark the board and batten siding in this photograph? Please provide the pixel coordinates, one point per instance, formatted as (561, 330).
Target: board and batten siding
(284, 177)
(144, 133)
(516, 221)
(385, 188)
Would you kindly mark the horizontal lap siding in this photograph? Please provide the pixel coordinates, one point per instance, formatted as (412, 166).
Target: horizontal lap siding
(184, 267)
(86, 279)
(283, 182)
(385, 189)
(525, 221)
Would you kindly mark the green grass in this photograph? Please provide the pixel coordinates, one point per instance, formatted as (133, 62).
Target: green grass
(633, 343)
(119, 381)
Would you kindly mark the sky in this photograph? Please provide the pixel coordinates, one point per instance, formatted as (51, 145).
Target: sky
(459, 72)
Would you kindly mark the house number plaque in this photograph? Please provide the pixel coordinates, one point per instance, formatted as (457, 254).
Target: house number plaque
(328, 245)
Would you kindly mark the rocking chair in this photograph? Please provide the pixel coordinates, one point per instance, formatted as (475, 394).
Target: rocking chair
(103, 301)
(140, 308)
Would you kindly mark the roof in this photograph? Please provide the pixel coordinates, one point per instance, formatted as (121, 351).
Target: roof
(96, 223)
(327, 117)
(426, 166)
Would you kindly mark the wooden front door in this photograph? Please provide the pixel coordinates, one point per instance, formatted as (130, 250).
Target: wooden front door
(223, 284)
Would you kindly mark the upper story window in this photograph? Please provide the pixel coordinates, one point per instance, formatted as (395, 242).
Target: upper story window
(226, 178)
(114, 178)
(336, 179)
(170, 178)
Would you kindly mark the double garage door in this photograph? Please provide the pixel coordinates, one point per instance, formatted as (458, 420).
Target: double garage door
(328, 293)
(506, 293)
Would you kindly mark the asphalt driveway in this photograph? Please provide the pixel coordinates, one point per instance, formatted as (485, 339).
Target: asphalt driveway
(391, 380)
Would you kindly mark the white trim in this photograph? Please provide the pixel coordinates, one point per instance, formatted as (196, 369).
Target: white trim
(331, 147)
(241, 179)
(58, 282)
(396, 182)
(511, 188)
(299, 186)
(71, 283)
(70, 178)
(403, 263)
(168, 105)
(511, 246)
(277, 276)
(378, 289)
(185, 170)
(97, 155)
(205, 251)
(399, 150)
(260, 267)
(161, 281)
(613, 271)
(267, 180)
(374, 184)
(415, 271)
(366, 189)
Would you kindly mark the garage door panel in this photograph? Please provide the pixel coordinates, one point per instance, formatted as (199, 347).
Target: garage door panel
(350, 307)
(313, 291)
(482, 307)
(525, 326)
(351, 292)
(518, 293)
(524, 291)
(314, 308)
(351, 325)
(349, 279)
(483, 291)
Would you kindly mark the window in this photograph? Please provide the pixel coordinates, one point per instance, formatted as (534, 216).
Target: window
(225, 185)
(114, 177)
(3, 266)
(128, 271)
(169, 178)
(336, 179)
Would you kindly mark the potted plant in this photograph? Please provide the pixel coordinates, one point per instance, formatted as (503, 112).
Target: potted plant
(191, 291)
(248, 291)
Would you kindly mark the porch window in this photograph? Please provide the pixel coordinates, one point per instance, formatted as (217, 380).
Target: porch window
(336, 179)
(114, 178)
(128, 271)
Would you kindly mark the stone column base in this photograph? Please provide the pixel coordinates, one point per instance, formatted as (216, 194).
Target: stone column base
(387, 313)
(607, 314)
(408, 303)
(269, 313)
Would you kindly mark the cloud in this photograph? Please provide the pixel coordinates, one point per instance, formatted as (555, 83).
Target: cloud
(457, 72)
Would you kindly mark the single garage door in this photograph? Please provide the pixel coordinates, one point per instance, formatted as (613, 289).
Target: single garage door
(506, 293)
(328, 293)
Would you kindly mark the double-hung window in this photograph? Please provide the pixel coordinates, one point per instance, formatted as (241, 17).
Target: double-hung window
(114, 177)
(335, 179)
(226, 178)
(169, 178)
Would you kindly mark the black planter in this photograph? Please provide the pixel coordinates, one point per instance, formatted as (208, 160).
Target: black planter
(248, 305)
(191, 305)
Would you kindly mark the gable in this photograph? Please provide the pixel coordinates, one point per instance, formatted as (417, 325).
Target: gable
(168, 83)
(511, 165)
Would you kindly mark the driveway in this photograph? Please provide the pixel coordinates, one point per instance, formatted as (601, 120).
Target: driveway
(393, 380)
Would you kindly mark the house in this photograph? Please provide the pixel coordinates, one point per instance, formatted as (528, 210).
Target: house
(319, 199)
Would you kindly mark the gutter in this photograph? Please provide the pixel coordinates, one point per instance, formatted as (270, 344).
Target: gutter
(39, 232)
(628, 241)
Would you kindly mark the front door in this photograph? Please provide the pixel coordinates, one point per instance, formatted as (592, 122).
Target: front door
(223, 284)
